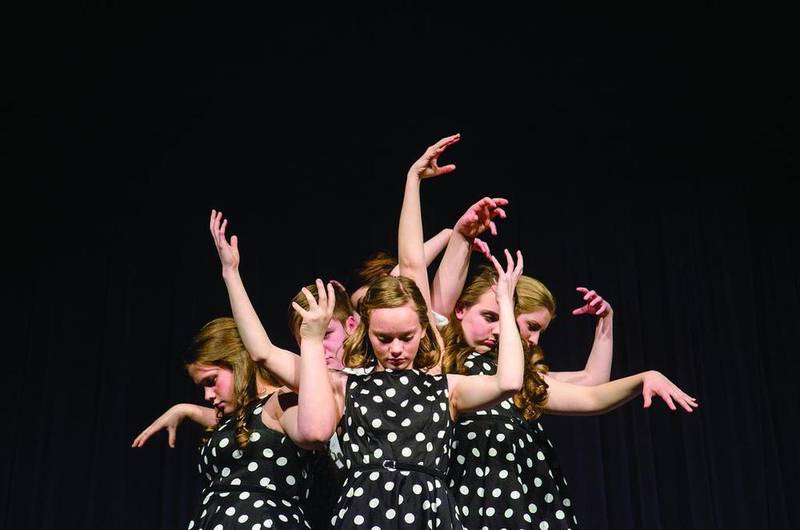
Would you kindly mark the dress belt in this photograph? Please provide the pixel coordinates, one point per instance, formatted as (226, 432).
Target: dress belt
(393, 465)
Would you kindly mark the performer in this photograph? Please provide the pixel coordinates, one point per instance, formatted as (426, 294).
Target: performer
(255, 472)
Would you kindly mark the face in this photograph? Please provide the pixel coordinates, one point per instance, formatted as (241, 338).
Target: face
(217, 383)
(532, 325)
(333, 342)
(394, 334)
(480, 322)
(358, 294)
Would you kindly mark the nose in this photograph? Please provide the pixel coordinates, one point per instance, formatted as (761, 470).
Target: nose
(396, 347)
(495, 329)
(209, 394)
(534, 338)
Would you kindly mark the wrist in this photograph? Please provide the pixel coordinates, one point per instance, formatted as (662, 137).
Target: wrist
(230, 272)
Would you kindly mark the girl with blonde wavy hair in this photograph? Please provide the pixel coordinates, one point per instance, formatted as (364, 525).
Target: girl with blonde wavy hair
(255, 472)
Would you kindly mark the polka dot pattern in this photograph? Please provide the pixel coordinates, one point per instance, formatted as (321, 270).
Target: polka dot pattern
(407, 428)
(272, 489)
(504, 472)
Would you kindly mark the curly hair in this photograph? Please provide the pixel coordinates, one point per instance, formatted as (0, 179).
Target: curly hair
(218, 344)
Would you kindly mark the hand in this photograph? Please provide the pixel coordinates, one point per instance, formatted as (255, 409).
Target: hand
(478, 245)
(169, 421)
(595, 305)
(478, 218)
(507, 279)
(428, 164)
(318, 316)
(228, 253)
(656, 384)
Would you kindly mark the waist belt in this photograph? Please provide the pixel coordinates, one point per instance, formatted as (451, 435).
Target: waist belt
(392, 465)
(249, 488)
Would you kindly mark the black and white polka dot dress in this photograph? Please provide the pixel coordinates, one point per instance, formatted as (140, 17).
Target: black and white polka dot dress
(254, 488)
(504, 472)
(396, 435)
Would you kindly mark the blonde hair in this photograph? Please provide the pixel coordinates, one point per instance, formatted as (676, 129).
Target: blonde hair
(342, 309)
(529, 295)
(391, 292)
(218, 344)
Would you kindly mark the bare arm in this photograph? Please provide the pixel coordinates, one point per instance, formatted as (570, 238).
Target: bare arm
(475, 392)
(173, 417)
(452, 272)
(432, 248)
(317, 413)
(284, 364)
(598, 365)
(575, 400)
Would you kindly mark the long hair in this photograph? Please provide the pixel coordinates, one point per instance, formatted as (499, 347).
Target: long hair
(390, 292)
(218, 343)
(532, 398)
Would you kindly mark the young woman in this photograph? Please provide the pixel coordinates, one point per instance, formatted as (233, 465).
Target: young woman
(255, 472)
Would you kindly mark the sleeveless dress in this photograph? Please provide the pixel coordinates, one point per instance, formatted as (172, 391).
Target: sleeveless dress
(396, 438)
(504, 472)
(258, 485)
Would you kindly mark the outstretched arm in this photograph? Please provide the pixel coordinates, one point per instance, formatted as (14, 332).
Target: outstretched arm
(173, 417)
(598, 365)
(282, 363)
(575, 400)
(452, 272)
(480, 391)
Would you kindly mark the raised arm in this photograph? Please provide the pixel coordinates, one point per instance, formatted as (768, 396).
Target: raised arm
(284, 364)
(598, 365)
(575, 400)
(452, 272)
(479, 391)
(318, 412)
(432, 248)
(174, 416)
(410, 249)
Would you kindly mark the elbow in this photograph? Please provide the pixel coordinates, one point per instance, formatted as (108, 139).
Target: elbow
(317, 434)
(511, 385)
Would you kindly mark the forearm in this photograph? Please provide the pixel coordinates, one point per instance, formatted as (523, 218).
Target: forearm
(569, 399)
(205, 416)
(451, 274)
(598, 366)
(510, 356)
(410, 249)
(283, 364)
(432, 248)
(316, 411)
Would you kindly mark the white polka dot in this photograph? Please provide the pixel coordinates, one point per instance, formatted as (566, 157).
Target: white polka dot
(420, 436)
(461, 459)
(283, 518)
(230, 511)
(532, 508)
(548, 498)
(489, 511)
(503, 473)
(515, 494)
(471, 435)
(225, 472)
(252, 466)
(390, 513)
(418, 408)
(219, 527)
(281, 461)
(244, 495)
(417, 489)
(224, 442)
(254, 436)
(256, 526)
(544, 525)
(267, 453)
(374, 476)
(374, 503)
(510, 457)
(378, 453)
(358, 519)
(566, 502)
(361, 431)
(537, 482)
(358, 492)
(409, 518)
(390, 392)
(406, 422)
(268, 523)
(500, 437)
(492, 451)
(465, 510)
(496, 492)
(237, 454)
(476, 452)
(290, 480)
(391, 413)
(242, 518)
(258, 504)
(376, 423)
(404, 380)
(508, 513)
(364, 411)
(559, 514)
(389, 486)
(406, 452)
(377, 399)
(391, 437)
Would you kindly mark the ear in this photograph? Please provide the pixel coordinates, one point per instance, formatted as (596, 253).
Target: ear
(351, 323)
(461, 309)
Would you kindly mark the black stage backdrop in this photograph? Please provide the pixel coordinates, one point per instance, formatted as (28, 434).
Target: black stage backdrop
(648, 152)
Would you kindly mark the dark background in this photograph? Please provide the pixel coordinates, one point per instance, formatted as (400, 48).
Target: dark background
(648, 152)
